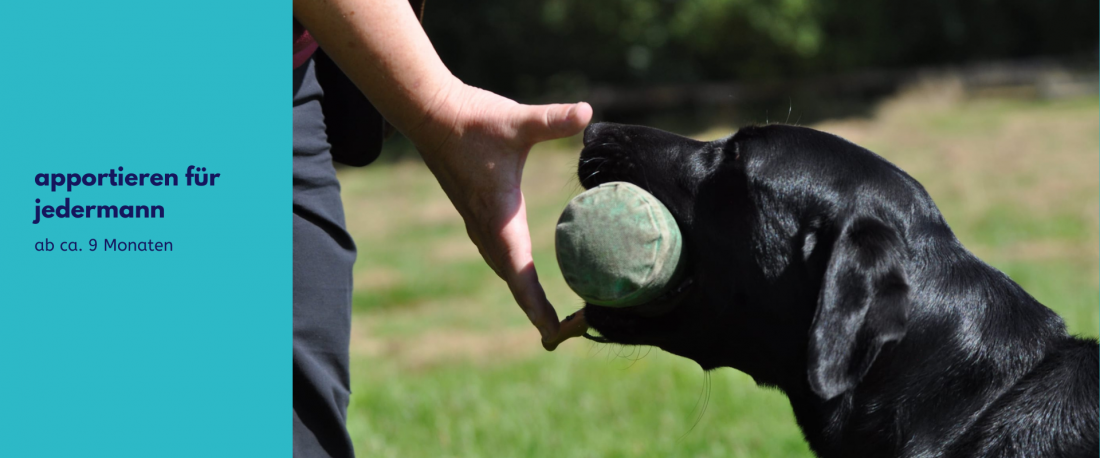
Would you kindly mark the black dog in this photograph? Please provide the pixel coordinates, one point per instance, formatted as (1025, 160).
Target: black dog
(820, 268)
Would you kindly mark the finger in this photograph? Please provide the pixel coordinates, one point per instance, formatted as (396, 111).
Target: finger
(485, 254)
(532, 299)
(514, 250)
(547, 122)
(572, 326)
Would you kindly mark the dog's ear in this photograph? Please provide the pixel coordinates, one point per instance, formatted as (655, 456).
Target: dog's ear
(863, 304)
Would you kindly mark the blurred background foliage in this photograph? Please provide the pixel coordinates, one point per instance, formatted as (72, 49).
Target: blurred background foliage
(557, 47)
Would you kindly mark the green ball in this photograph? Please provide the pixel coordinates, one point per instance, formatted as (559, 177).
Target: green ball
(618, 246)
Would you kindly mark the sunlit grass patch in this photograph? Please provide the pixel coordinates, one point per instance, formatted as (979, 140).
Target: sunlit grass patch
(581, 403)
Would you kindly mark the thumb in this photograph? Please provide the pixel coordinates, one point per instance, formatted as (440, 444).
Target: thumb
(547, 122)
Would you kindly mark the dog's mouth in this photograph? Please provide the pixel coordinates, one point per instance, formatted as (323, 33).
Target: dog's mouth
(629, 325)
(636, 323)
(603, 162)
(661, 304)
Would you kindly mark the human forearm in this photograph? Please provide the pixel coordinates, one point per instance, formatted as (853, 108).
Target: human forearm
(383, 49)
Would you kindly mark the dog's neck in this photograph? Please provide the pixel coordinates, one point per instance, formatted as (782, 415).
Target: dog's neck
(938, 380)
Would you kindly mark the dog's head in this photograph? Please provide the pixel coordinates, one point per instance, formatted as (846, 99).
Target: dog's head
(797, 245)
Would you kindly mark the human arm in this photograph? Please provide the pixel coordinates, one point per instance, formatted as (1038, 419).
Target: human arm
(474, 141)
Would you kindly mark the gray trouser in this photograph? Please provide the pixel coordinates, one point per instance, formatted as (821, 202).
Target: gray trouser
(323, 258)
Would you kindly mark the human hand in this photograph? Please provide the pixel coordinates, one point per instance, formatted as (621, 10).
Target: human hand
(474, 141)
(476, 144)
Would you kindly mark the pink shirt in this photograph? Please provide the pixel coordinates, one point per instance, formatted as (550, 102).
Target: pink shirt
(304, 45)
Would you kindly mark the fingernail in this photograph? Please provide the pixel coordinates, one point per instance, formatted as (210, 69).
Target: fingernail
(569, 113)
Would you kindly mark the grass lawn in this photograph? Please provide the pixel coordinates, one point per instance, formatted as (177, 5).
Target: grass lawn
(444, 364)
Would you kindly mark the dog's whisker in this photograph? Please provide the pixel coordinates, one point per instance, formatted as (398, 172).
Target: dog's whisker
(598, 167)
(633, 356)
(609, 356)
(701, 403)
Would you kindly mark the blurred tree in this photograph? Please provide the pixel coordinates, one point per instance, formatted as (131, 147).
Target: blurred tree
(875, 33)
(544, 47)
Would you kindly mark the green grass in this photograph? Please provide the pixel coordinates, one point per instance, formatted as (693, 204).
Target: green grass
(572, 404)
(445, 365)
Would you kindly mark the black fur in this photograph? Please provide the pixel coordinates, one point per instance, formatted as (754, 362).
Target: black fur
(820, 268)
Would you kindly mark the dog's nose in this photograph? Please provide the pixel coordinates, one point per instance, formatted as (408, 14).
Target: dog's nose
(593, 131)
